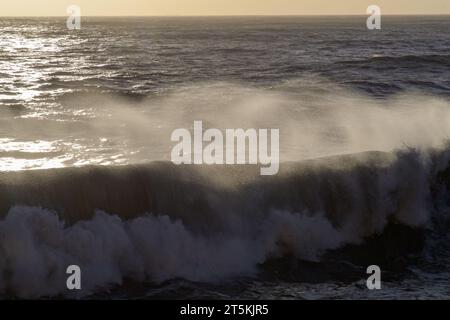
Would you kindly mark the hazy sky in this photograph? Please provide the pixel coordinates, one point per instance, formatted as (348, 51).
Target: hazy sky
(219, 7)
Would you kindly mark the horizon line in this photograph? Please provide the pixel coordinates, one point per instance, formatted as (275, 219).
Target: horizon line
(236, 15)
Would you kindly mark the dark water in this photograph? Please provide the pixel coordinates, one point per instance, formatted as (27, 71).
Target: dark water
(93, 108)
(149, 55)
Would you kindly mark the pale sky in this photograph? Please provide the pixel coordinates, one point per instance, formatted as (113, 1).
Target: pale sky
(219, 7)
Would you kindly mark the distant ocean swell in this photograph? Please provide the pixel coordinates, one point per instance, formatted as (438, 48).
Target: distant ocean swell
(406, 61)
(158, 221)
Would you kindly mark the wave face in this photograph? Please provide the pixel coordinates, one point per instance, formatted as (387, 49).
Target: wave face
(158, 222)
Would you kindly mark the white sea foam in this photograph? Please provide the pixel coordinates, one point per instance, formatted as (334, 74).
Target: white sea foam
(37, 246)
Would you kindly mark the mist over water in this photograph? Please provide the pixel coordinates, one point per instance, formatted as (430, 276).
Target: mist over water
(120, 131)
(364, 123)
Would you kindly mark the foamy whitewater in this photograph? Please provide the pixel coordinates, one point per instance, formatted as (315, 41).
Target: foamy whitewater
(86, 177)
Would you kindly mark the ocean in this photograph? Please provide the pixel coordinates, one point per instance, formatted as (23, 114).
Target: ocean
(86, 176)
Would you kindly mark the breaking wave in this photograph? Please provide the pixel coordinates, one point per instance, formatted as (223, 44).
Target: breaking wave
(158, 221)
